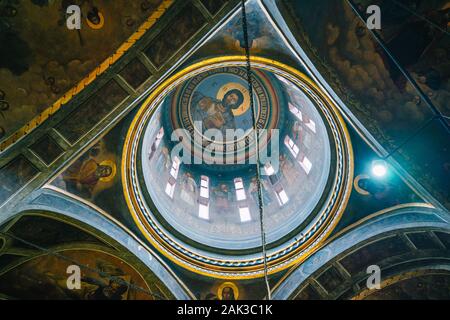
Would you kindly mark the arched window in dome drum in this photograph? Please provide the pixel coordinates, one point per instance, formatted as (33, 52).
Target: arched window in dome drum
(156, 143)
(240, 192)
(311, 125)
(274, 179)
(268, 168)
(305, 163)
(295, 111)
(170, 187)
(282, 196)
(293, 148)
(244, 212)
(203, 200)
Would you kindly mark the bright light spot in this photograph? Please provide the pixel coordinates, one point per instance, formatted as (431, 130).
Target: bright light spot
(379, 168)
(203, 211)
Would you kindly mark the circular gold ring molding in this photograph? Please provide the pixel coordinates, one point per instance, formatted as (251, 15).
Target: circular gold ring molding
(241, 267)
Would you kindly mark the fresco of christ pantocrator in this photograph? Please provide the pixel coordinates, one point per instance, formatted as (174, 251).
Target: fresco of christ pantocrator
(214, 113)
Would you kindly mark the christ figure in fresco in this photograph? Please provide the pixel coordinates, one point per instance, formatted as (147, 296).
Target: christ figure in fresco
(89, 174)
(214, 113)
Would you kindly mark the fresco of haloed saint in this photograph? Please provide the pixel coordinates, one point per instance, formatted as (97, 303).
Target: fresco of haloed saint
(46, 277)
(92, 173)
(218, 100)
(221, 102)
(189, 189)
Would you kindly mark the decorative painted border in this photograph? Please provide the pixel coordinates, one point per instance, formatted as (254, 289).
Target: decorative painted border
(271, 122)
(240, 267)
(44, 115)
(349, 229)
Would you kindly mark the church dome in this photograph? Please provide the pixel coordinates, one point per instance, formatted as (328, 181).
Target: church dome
(190, 172)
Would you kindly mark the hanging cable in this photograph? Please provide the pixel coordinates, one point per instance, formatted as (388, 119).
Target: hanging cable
(99, 272)
(255, 129)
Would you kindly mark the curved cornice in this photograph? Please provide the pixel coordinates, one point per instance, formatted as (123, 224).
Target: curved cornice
(236, 267)
(76, 209)
(398, 218)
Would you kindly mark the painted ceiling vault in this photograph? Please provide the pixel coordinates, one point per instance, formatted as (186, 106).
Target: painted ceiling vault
(116, 155)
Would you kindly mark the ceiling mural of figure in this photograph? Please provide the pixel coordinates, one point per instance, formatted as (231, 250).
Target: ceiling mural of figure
(189, 189)
(34, 77)
(222, 198)
(92, 173)
(287, 168)
(217, 114)
(219, 99)
(107, 278)
(265, 191)
(214, 207)
(228, 291)
(117, 183)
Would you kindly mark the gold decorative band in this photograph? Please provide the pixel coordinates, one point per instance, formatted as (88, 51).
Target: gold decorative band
(44, 115)
(281, 257)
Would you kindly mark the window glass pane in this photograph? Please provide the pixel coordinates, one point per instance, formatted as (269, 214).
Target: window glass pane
(244, 214)
(283, 197)
(203, 212)
(311, 125)
(204, 192)
(170, 188)
(269, 169)
(240, 194)
(306, 165)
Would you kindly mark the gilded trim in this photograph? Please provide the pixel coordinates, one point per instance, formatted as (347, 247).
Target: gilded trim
(44, 115)
(299, 249)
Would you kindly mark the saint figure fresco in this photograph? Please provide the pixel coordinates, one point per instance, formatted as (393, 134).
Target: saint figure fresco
(222, 198)
(189, 189)
(215, 113)
(89, 174)
(253, 190)
(228, 291)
